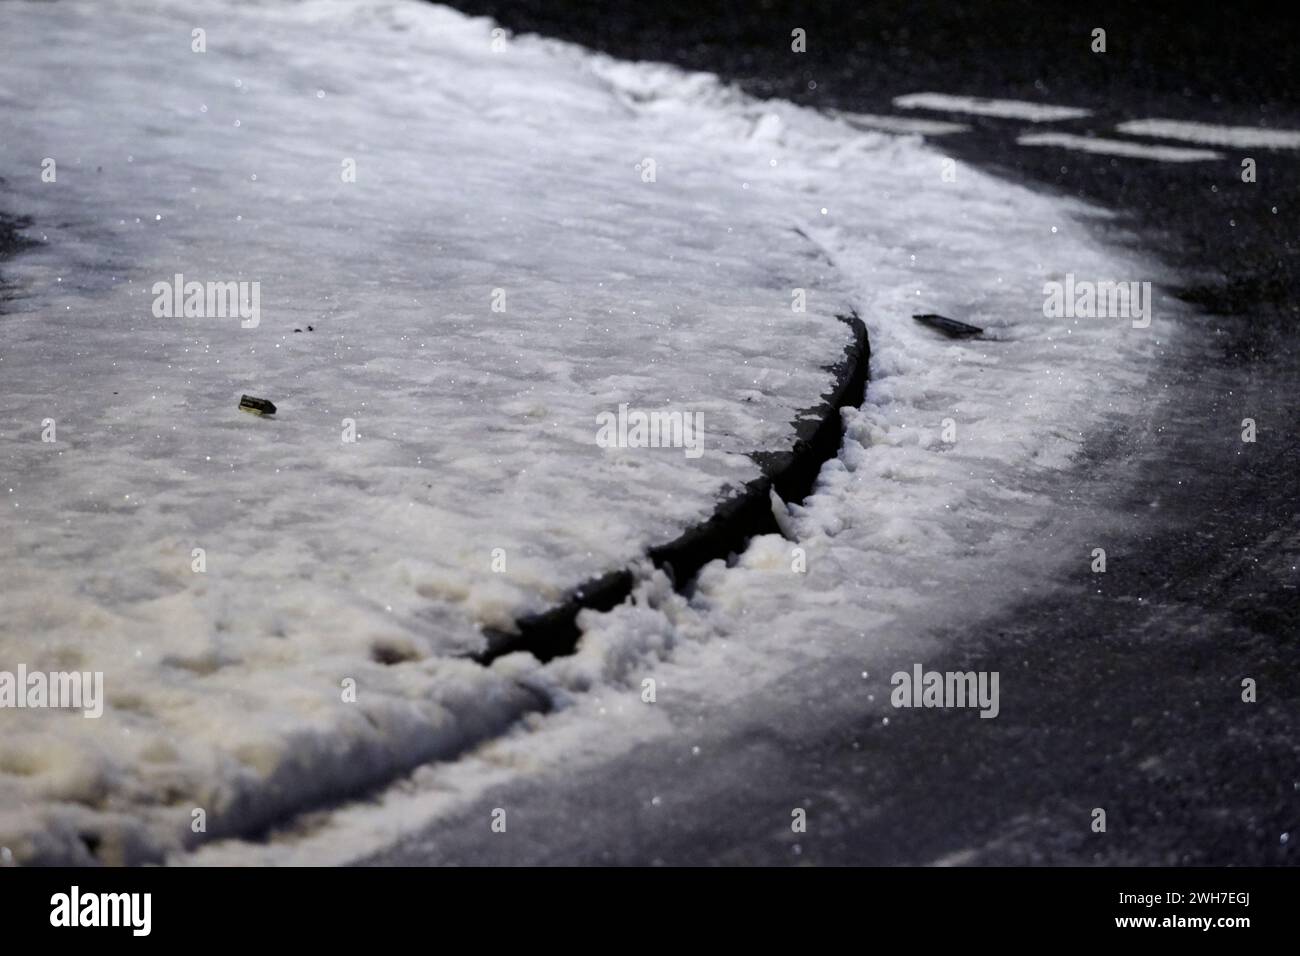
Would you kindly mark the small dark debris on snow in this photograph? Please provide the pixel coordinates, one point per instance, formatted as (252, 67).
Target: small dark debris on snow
(309, 329)
(256, 406)
(949, 327)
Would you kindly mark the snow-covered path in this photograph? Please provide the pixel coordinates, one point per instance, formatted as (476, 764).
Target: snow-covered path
(489, 170)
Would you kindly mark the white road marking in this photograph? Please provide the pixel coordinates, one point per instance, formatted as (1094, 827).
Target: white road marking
(1243, 136)
(900, 124)
(1007, 109)
(1116, 147)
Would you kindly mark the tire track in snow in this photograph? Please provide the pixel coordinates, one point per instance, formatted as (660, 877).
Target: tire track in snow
(738, 518)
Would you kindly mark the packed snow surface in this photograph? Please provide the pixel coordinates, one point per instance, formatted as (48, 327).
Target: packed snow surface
(489, 171)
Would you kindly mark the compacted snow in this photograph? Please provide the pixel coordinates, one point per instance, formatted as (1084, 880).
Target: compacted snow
(489, 169)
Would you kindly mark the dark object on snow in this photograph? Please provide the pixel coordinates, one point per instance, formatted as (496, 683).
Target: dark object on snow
(309, 329)
(949, 327)
(256, 406)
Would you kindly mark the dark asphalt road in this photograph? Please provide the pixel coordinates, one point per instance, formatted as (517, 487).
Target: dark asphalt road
(1129, 692)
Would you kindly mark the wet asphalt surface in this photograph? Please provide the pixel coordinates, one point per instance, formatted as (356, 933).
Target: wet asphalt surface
(1128, 684)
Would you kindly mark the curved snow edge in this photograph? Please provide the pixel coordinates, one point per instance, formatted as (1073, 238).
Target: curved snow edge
(819, 432)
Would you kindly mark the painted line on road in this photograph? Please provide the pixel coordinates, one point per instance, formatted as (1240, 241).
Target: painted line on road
(1116, 147)
(874, 122)
(978, 106)
(1208, 133)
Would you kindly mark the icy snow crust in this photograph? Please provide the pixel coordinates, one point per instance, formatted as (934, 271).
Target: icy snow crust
(477, 169)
